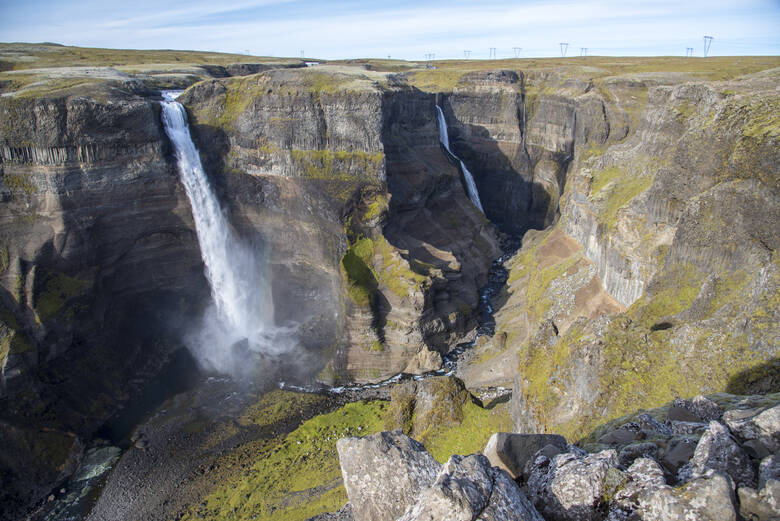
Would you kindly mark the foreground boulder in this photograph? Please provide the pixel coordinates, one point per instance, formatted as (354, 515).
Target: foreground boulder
(759, 426)
(389, 476)
(761, 505)
(698, 409)
(717, 450)
(511, 452)
(470, 489)
(384, 474)
(571, 486)
(707, 498)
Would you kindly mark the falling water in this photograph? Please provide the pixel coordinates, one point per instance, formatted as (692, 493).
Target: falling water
(241, 321)
(471, 186)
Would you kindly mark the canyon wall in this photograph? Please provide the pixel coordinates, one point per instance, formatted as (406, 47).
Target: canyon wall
(660, 277)
(99, 268)
(374, 245)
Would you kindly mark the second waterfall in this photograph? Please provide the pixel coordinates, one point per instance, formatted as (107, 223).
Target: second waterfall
(240, 322)
(471, 186)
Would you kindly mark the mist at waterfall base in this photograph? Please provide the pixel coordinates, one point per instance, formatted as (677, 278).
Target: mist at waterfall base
(237, 334)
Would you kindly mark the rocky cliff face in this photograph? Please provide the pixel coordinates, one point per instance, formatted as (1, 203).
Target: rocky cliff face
(99, 265)
(672, 221)
(375, 246)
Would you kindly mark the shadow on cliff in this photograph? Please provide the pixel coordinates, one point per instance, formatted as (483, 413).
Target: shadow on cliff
(510, 196)
(763, 378)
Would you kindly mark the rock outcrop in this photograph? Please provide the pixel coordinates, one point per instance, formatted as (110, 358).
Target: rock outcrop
(560, 482)
(512, 452)
(389, 477)
(383, 474)
(665, 227)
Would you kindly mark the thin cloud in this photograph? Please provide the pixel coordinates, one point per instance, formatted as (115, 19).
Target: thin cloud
(409, 29)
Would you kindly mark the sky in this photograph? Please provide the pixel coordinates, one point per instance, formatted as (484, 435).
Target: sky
(405, 29)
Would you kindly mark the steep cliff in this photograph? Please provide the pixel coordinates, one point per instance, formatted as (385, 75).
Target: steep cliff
(674, 221)
(99, 267)
(377, 250)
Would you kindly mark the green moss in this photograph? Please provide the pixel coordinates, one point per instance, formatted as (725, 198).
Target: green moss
(376, 346)
(375, 207)
(361, 283)
(370, 263)
(471, 434)
(275, 406)
(454, 425)
(4, 258)
(56, 290)
(338, 164)
(603, 177)
(436, 80)
(20, 183)
(400, 413)
(12, 340)
(537, 296)
(613, 188)
(297, 478)
(674, 293)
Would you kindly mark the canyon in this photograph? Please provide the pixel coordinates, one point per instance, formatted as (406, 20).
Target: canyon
(643, 195)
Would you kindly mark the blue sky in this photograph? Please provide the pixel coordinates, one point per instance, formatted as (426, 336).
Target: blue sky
(403, 29)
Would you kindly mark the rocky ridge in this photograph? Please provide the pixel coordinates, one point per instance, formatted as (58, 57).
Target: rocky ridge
(719, 474)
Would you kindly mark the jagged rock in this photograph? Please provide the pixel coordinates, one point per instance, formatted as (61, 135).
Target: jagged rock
(769, 468)
(470, 489)
(684, 427)
(571, 487)
(621, 436)
(384, 473)
(643, 474)
(511, 452)
(717, 450)
(763, 505)
(425, 360)
(679, 451)
(637, 450)
(646, 473)
(648, 423)
(707, 498)
(762, 425)
(699, 409)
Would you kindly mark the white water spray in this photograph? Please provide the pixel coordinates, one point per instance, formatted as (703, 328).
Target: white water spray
(241, 320)
(444, 138)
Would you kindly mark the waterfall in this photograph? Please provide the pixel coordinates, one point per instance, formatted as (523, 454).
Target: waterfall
(444, 138)
(241, 321)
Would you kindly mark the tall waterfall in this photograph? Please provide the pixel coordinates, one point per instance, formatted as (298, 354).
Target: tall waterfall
(444, 138)
(241, 320)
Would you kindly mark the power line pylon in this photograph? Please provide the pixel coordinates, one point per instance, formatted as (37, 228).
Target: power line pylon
(583, 51)
(564, 48)
(492, 53)
(707, 45)
(467, 54)
(689, 52)
(517, 50)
